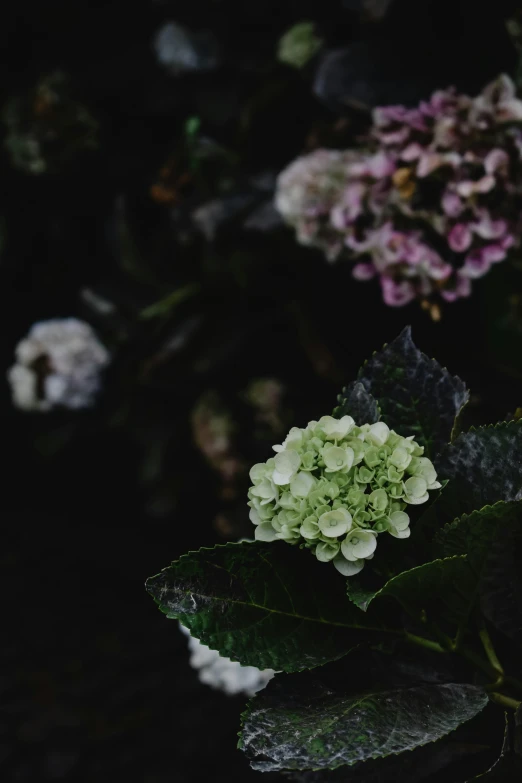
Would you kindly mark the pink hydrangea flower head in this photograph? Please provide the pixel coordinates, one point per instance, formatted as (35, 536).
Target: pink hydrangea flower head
(429, 203)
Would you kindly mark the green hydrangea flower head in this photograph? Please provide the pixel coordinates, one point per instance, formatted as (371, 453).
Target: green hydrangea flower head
(335, 487)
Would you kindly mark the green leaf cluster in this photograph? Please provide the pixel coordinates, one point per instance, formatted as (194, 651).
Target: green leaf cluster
(382, 674)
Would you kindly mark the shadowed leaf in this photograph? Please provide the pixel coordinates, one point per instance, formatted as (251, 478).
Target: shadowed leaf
(415, 394)
(326, 718)
(260, 604)
(358, 403)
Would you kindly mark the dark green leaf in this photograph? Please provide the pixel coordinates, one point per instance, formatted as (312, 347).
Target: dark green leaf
(315, 720)
(445, 590)
(464, 752)
(413, 767)
(438, 513)
(492, 540)
(415, 394)
(473, 534)
(359, 594)
(266, 605)
(484, 466)
(358, 403)
(501, 584)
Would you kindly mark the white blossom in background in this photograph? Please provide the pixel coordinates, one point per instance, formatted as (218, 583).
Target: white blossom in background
(222, 673)
(180, 50)
(307, 191)
(58, 364)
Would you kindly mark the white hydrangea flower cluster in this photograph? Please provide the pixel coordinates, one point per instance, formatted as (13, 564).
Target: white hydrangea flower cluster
(334, 487)
(222, 673)
(307, 191)
(58, 364)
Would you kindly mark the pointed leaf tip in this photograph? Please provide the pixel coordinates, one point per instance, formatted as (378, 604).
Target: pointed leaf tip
(415, 394)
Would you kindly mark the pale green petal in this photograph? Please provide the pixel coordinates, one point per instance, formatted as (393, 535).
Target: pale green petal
(378, 433)
(336, 429)
(379, 499)
(310, 529)
(335, 523)
(254, 517)
(286, 466)
(400, 458)
(265, 490)
(265, 532)
(308, 460)
(337, 458)
(364, 475)
(257, 472)
(326, 551)
(399, 520)
(287, 500)
(415, 487)
(371, 458)
(288, 533)
(347, 567)
(400, 533)
(416, 501)
(302, 484)
(358, 544)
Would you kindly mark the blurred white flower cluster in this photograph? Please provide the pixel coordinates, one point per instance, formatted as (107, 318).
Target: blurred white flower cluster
(58, 364)
(180, 50)
(222, 673)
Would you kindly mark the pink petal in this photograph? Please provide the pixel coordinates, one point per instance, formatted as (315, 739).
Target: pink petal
(462, 289)
(459, 238)
(381, 165)
(396, 294)
(496, 160)
(486, 228)
(451, 204)
(397, 137)
(437, 269)
(485, 184)
(412, 152)
(364, 271)
(350, 206)
(478, 262)
(507, 242)
(468, 187)
(428, 162)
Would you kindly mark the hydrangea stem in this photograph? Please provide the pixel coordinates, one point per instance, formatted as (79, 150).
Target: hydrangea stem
(490, 651)
(420, 641)
(505, 701)
(485, 666)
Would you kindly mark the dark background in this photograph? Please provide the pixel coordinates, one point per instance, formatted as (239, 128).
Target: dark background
(95, 683)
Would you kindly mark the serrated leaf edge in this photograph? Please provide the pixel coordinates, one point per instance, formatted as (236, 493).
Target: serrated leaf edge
(407, 332)
(408, 571)
(384, 631)
(455, 522)
(343, 391)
